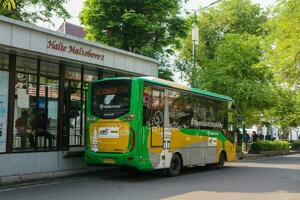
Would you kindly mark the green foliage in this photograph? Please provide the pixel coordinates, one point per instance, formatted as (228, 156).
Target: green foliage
(228, 54)
(265, 145)
(286, 112)
(230, 16)
(296, 145)
(165, 73)
(165, 66)
(35, 10)
(282, 44)
(233, 72)
(145, 27)
(282, 56)
(9, 4)
(239, 149)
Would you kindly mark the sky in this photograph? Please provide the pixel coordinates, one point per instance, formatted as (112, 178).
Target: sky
(74, 7)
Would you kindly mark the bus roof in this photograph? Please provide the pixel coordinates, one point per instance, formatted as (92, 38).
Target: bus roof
(163, 82)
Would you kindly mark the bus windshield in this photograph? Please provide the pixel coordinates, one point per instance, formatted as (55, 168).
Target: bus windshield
(111, 99)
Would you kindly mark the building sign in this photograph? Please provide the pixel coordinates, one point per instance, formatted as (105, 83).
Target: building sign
(3, 108)
(72, 49)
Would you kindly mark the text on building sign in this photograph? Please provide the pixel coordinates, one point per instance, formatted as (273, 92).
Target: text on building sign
(59, 46)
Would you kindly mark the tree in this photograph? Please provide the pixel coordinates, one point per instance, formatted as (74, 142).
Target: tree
(286, 112)
(165, 70)
(234, 72)
(145, 27)
(34, 10)
(282, 57)
(9, 4)
(283, 43)
(230, 16)
(228, 54)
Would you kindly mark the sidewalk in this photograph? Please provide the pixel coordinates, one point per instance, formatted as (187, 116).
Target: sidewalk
(248, 156)
(25, 178)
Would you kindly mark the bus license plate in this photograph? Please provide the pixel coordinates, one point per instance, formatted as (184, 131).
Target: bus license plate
(109, 161)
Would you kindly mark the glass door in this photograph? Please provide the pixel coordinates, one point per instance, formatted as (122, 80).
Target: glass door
(75, 87)
(74, 108)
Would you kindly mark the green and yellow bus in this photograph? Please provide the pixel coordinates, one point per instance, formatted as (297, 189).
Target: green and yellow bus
(149, 123)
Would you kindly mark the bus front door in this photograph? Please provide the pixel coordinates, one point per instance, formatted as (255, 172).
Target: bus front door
(159, 133)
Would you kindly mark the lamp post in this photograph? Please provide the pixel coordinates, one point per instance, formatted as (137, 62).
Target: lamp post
(195, 39)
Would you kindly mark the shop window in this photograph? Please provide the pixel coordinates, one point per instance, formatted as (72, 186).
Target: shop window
(46, 129)
(25, 112)
(26, 65)
(90, 75)
(49, 69)
(36, 105)
(73, 73)
(4, 77)
(3, 61)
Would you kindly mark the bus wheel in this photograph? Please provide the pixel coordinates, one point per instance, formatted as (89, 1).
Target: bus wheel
(221, 162)
(175, 165)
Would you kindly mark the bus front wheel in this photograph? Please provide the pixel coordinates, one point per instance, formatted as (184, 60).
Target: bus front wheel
(175, 165)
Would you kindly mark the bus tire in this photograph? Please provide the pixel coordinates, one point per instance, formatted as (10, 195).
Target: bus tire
(221, 162)
(175, 166)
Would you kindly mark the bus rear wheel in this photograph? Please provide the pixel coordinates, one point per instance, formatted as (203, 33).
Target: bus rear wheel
(175, 166)
(221, 162)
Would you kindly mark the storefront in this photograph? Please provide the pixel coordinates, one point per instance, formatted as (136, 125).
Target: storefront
(43, 82)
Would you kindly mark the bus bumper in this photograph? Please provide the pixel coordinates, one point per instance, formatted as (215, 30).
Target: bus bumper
(126, 159)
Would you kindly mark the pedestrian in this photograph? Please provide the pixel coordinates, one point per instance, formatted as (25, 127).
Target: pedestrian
(254, 136)
(22, 126)
(42, 129)
(261, 136)
(248, 138)
(239, 137)
(268, 137)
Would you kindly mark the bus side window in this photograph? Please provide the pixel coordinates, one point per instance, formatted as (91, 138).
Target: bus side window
(147, 104)
(152, 107)
(175, 105)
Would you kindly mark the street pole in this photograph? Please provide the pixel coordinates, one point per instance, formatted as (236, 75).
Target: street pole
(195, 39)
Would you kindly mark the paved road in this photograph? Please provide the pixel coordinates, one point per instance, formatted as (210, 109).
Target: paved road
(269, 178)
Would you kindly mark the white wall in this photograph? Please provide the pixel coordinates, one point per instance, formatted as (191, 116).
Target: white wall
(37, 162)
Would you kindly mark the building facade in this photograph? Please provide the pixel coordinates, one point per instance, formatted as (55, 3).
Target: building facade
(43, 83)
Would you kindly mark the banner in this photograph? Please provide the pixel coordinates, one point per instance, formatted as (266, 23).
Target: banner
(3, 109)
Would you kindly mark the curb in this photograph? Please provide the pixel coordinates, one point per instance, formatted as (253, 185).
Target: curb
(24, 178)
(263, 155)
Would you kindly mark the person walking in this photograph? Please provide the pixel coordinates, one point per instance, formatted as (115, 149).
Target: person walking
(254, 136)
